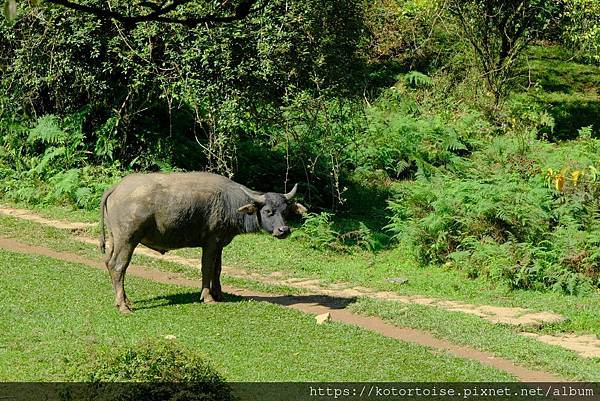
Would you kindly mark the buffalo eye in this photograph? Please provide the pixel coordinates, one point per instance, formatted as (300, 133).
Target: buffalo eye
(269, 212)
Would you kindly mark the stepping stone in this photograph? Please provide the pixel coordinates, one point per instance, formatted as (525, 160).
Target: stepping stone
(586, 345)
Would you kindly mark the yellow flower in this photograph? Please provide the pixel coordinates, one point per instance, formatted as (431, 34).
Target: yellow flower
(575, 176)
(559, 182)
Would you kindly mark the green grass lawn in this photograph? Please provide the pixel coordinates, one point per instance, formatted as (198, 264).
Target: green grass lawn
(264, 254)
(57, 315)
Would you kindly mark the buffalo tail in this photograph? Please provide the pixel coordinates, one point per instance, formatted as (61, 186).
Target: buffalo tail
(102, 214)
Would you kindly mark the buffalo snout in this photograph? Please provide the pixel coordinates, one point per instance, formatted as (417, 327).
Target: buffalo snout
(282, 232)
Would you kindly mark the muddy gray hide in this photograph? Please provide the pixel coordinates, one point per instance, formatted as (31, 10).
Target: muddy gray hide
(167, 211)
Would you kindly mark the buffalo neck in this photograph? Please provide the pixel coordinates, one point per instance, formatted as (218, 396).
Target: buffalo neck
(250, 223)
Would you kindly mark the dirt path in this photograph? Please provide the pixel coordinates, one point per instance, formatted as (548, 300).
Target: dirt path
(313, 304)
(584, 345)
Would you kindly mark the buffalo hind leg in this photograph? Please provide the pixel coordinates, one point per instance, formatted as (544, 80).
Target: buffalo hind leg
(215, 288)
(208, 270)
(117, 266)
(108, 254)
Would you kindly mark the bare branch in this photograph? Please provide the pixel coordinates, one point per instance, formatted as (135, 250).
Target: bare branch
(159, 13)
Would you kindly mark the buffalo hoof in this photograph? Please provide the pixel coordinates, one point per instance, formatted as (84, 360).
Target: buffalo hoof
(125, 310)
(206, 297)
(218, 296)
(128, 304)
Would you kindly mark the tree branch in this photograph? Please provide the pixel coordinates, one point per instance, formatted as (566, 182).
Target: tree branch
(243, 9)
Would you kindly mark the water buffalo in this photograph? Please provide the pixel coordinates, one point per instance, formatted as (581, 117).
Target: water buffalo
(167, 211)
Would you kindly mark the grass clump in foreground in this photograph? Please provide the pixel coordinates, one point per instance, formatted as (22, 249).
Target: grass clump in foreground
(62, 313)
(163, 370)
(163, 360)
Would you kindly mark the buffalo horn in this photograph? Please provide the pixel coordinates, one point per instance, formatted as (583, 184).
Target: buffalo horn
(256, 198)
(291, 194)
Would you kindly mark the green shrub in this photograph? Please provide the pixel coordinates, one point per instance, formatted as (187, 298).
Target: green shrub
(507, 216)
(318, 232)
(408, 134)
(153, 361)
(162, 370)
(446, 212)
(524, 266)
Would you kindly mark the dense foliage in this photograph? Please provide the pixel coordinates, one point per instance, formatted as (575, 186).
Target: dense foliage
(519, 212)
(159, 96)
(582, 28)
(474, 122)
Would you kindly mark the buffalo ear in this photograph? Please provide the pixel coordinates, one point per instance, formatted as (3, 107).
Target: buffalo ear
(250, 208)
(298, 208)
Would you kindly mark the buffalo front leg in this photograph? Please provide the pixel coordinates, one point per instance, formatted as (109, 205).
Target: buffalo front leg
(208, 272)
(215, 289)
(117, 267)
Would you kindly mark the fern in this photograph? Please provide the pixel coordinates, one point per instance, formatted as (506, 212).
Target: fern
(48, 131)
(416, 79)
(28, 194)
(317, 230)
(64, 184)
(50, 154)
(585, 132)
(84, 197)
(402, 166)
(451, 142)
(546, 120)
